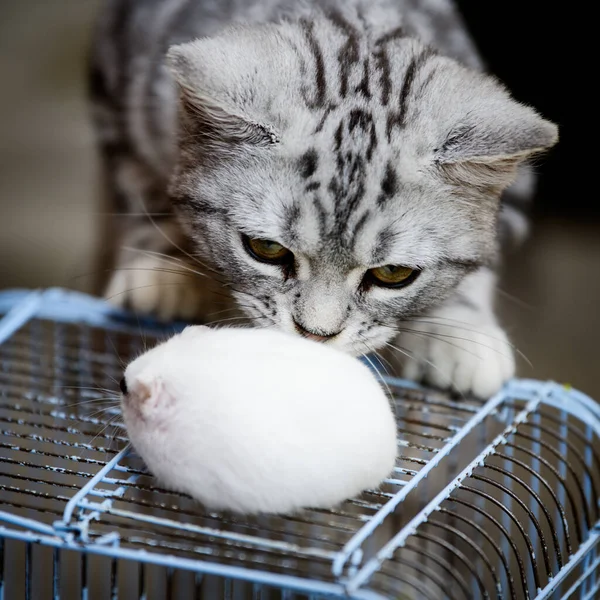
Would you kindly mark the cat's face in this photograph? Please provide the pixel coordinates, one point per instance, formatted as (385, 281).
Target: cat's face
(340, 197)
(334, 241)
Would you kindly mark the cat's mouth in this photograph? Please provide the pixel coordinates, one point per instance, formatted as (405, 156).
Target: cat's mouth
(313, 335)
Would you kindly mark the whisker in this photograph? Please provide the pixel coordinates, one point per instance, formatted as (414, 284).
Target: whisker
(113, 379)
(121, 362)
(159, 270)
(219, 321)
(112, 270)
(115, 431)
(381, 379)
(514, 299)
(105, 399)
(104, 410)
(131, 214)
(170, 260)
(383, 360)
(434, 336)
(377, 354)
(86, 388)
(111, 420)
(439, 321)
(115, 269)
(239, 306)
(439, 336)
(166, 237)
(142, 336)
(154, 253)
(220, 312)
(414, 356)
(141, 287)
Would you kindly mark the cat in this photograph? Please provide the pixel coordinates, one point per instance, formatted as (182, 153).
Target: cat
(339, 169)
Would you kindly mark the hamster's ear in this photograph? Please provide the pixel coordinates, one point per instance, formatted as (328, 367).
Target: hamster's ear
(149, 395)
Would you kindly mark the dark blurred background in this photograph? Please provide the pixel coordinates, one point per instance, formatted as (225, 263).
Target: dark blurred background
(530, 47)
(550, 291)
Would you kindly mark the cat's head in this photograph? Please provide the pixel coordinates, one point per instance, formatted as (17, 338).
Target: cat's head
(343, 181)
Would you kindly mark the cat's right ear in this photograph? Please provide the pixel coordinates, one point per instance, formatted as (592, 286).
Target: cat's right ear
(207, 108)
(482, 135)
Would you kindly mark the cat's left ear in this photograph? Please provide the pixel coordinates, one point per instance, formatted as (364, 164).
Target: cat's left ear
(225, 85)
(490, 135)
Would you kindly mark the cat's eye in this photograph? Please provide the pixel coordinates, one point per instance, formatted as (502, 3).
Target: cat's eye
(267, 251)
(392, 276)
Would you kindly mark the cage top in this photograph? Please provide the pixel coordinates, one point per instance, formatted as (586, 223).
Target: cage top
(502, 496)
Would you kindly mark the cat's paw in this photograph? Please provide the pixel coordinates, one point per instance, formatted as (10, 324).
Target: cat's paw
(147, 285)
(469, 360)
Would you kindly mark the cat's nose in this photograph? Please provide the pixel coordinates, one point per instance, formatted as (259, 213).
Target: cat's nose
(312, 335)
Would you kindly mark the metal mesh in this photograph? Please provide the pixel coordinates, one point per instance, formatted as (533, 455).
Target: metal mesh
(488, 500)
(509, 527)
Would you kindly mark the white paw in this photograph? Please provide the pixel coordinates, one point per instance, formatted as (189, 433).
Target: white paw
(143, 285)
(470, 359)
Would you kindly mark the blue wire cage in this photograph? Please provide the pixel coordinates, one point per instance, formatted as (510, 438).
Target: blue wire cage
(496, 499)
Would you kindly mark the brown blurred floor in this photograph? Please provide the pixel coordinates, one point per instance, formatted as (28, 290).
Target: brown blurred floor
(48, 207)
(555, 317)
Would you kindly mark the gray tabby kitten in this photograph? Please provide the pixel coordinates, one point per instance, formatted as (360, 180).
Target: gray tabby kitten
(335, 167)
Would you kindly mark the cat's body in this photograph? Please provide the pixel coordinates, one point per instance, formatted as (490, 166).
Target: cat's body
(326, 127)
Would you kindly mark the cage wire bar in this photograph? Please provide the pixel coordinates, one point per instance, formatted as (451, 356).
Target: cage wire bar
(496, 499)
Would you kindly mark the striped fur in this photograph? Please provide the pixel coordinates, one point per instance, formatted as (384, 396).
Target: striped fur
(356, 134)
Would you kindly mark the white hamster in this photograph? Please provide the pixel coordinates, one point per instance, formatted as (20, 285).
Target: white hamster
(253, 420)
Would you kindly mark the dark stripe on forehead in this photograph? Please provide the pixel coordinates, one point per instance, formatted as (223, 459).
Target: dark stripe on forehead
(337, 138)
(360, 225)
(389, 185)
(348, 194)
(321, 216)
(301, 61)
(292, 214)
(382, 62)
(326, 114)
(430, 76)
(365, 121)
(308, 162)
(349, 54)
(290, 218)
(394, 34)
(398, 119)
(363, 86)
(382, 247)
(320, 80)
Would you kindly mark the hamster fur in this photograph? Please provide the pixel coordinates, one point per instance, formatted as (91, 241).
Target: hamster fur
(252, 420)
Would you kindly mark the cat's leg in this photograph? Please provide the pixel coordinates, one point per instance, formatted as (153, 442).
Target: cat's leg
(150, 266)
(151, 276)
(145, 261)
(460, 344)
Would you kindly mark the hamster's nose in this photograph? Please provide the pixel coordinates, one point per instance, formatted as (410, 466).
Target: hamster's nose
(123, 386)
(311, 335)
